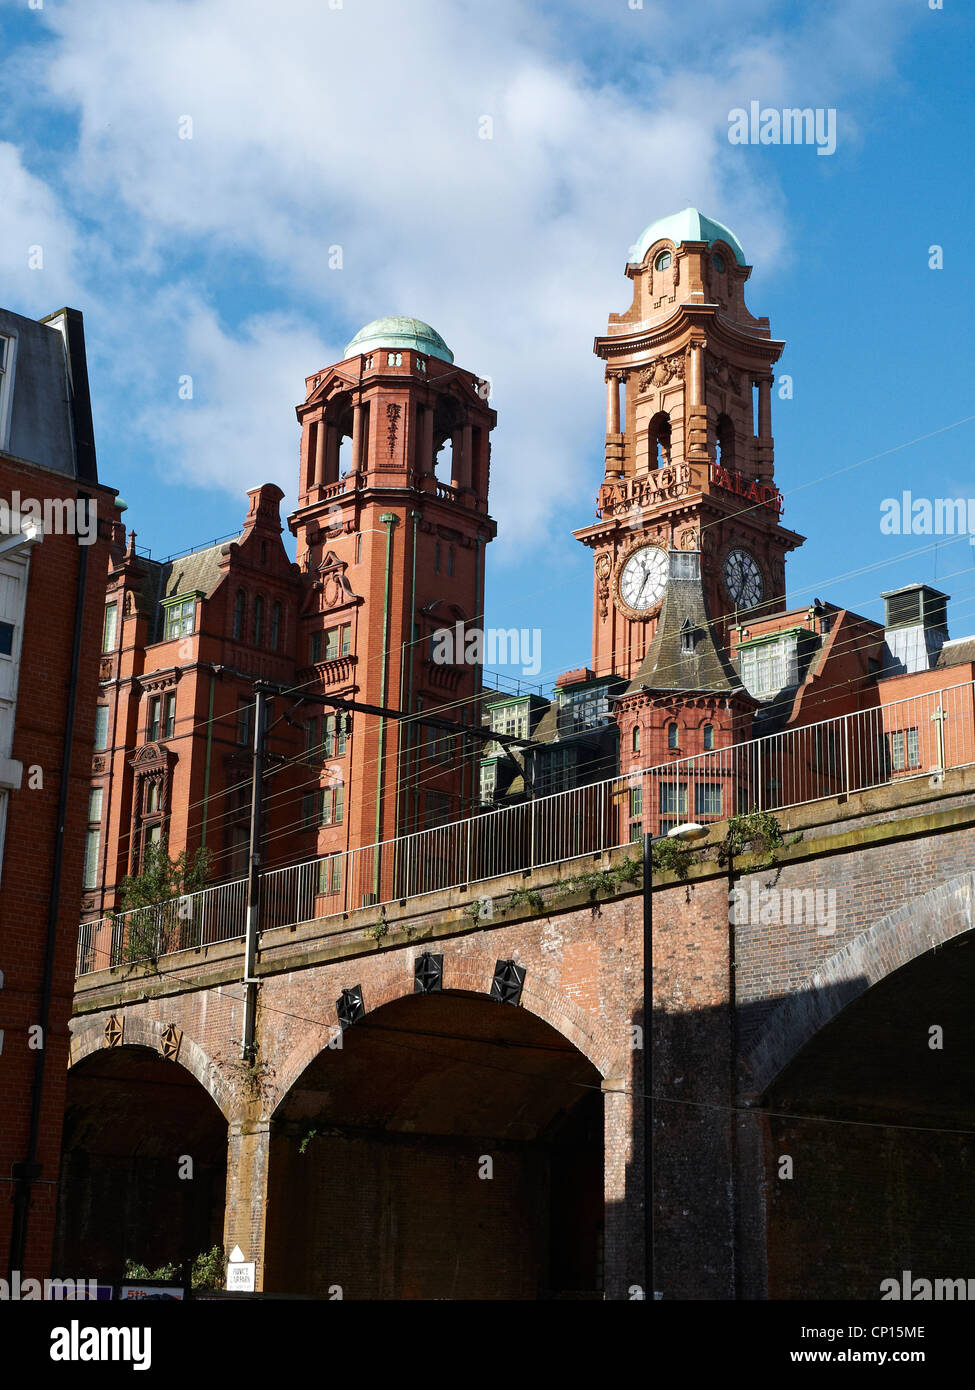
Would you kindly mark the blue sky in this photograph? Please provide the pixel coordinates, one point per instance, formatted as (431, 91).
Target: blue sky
(358, 126)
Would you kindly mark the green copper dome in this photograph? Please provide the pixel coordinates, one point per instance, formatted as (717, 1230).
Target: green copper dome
(689, 225)
(399, 333)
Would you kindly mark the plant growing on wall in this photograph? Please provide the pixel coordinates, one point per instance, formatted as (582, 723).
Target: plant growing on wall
(758, 830)
(164, 921)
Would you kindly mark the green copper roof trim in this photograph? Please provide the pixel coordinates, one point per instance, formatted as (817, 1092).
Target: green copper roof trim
(399, 333)
(689, 225)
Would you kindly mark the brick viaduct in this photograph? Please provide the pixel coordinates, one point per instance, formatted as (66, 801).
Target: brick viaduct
(812, 1101)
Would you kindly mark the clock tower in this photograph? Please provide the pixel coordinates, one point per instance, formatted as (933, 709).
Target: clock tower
(689, 451)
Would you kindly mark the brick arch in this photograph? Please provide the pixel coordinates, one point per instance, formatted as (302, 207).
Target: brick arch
(471, 973)
(147, 1032)
(915, 928)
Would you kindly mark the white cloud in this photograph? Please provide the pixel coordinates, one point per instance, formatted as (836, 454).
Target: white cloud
(359, 126)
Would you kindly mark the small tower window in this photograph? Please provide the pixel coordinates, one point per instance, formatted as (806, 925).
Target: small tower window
(658, 439)
(687, 636)
(636, 738)
(672, 736)
(663, 261)
(717, 260)
(726, 442)
(708, 736)
(436, 557)
(394, 359)
(258, 620)
(450, 559)
(239, 602)
(275, 626)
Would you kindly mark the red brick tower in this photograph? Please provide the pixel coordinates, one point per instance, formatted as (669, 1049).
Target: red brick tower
(391, 526)
(689, 451)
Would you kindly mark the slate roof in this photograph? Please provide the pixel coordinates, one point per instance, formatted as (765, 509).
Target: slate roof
(666, 666)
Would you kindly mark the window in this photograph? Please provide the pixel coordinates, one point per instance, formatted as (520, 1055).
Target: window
(111, 625)
(6, 377)
(663, 261)
(904, 749)
(764, 669)
(101, 727)
(489, 781)
(316, 648)
(394, 359)
(358, 549)
(510, 719)
(309, 811)
(245, 708)
(824, 750)
(658, 440)
(708, 736)
(258, 621)
(330, 874)
(338, 641)
(725, 453)
(672, 736)
(180, 618)
(153, 794)
(275, 627)
(450, 559)
(312, 736)
(153, 724)
(636, 802)
(673, 798)
(436, 557)
(636, 738)
(333, 805)
(584, 708)
(93, 837)
(239, 604)
(170, 724)
(6, 639)
(707, 799)
(334, 735)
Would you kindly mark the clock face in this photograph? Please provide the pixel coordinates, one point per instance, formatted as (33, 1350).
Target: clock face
(643, 578)
(743, 579)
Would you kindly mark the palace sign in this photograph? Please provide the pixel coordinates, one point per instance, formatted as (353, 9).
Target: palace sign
(764, 494)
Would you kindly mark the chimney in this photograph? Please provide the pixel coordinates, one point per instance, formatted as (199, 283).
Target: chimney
(916, 628)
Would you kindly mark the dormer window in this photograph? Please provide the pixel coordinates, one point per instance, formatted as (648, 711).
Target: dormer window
(663, 261)
(688, 638)
(180, 617)
(717, 260)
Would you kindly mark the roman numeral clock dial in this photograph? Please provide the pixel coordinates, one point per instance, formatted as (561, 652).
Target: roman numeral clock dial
(743, 579)
(642, 580)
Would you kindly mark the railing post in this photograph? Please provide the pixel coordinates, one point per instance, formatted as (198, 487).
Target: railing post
(468, 877)
(531, 857)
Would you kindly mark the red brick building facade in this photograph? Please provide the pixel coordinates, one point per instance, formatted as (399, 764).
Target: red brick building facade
(55, 523)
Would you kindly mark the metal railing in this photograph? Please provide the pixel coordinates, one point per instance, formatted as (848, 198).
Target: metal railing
(855, 752)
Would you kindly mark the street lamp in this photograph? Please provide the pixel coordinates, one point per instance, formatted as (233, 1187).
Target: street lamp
(688, 832)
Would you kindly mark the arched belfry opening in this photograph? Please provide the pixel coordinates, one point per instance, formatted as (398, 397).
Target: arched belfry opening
(659, 440)
(451, 1148)
(725, 442)
(143, 1166)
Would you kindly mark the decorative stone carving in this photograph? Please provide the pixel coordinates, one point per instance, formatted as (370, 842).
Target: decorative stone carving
(392, 423)
(662, 373)
(114, 1031)
(717, 369)
(170, 1041)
